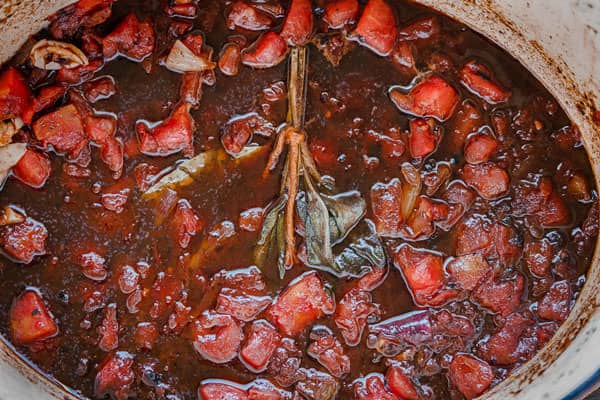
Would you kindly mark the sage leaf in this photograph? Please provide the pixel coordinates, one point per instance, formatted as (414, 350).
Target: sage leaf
(361, 251)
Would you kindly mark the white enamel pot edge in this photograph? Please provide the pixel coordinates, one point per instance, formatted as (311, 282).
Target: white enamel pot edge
(559, 42)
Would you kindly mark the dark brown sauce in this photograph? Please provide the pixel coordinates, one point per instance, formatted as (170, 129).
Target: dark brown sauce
(76, 220)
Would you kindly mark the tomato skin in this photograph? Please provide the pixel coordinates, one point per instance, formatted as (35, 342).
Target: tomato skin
(30, 320)
(33, 169)
(470, 375)
(300, 304)
(372, 387)
(386, 200)
(490, 180)
(377, 27)
(24, 241)
(221, 391)
(479, 148)
(47, 96)
(421, 140)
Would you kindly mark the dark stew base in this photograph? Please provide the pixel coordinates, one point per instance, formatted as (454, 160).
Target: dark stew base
(480, 223)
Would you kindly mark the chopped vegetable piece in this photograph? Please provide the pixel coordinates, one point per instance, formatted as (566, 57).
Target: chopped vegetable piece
(170, 136)
(470, 375)
(301, 304)
(269, 50)
(33, 168)
(431, 97)
(339, 13)
(115, 376)
(216, 337)
(488, 179)
(298, 24)
(132, 38)
(24, 241)
(372, 387)
(246, 16)
(63, 129)
(377, 27)
(400, 384)
(30, 321)
(15, 95)
(423, 271)
(262, 341)
(479, 80)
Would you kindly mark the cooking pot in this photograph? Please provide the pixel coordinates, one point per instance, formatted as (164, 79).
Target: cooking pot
(559, 42)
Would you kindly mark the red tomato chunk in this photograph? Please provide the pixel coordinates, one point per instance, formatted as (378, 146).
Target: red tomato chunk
(470, 375)
(30, 321)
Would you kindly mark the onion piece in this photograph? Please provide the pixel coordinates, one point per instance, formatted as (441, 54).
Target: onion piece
(182, 59)
(9, 157)
(8, 129)
(55, 55)
(411, 188)
(413, 328)
(10, 216)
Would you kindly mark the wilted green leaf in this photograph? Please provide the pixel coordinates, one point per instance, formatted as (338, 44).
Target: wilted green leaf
(361, 250)
(190, 170)
(269, 234)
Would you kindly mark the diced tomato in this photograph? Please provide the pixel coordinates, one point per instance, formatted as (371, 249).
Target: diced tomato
(79, 74)
(488, 179)
(352, 313)
(262, 342)
(538, 257)
(458, 193)
(479, 80)
(99, 89)
(422, 29)
(268, 51)
(180, 27)
(507, 346)
(263, 392)
(179, 319)
(468, 119)
(432, 97)
(403, 58)
(127, 279)
(115, 376)
(324, 153)
(386, 201)
(186, 223)
(15, 95)
(285, 363)
(24, 241)
(132, 38)
(491, 239)
(421, 139)
(115, 200)
(377, 27)
(422, 270)
(112, 154)
(185, 9)
(245, 16)
(468, 270)
(100, 129)
(238, 131)
(300, 304)
(372, 387)
(470, 375)
(30, 321)
(221, 391)
(339, 13)
(145, 335)
(84, 13)
(230, 59)
(372, 280)
(542, 202)
(93, 266)
(479, 148)
(556, 304)
(400, 384)
(298, 24)
(317, 385)
(501, 297)
(447, 323)
(33, 168)
(170, 136)
(47, 96)
(329, 352)
(190, 90)
(250, 220)
(165, 291)
(109, 330)
(62, 129)
(217, 337)
(427, 215)
(242, 306)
